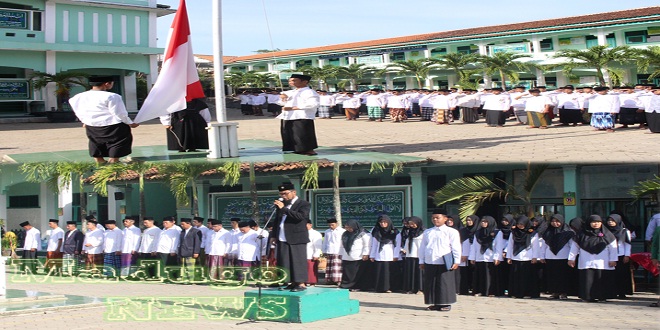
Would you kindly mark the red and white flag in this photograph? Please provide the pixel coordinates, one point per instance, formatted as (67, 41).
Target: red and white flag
(178, 81)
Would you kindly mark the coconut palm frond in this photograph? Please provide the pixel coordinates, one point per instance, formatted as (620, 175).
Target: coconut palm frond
(105, 175)
(182, 174)
(67, 170)
(468, 188)
(644, 188)
(41, 172)
(397, 168)
(310, 179)
(377, 167)
(533, 176)
(232, 173)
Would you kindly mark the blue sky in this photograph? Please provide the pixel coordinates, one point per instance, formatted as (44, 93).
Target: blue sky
(300, 24)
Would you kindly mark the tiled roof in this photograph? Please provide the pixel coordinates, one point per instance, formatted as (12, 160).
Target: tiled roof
(592, 20)
(209, 58)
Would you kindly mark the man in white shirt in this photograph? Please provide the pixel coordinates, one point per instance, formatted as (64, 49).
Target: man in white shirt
(198, 222)
(112, 245)
(538, 108)
(105, 119)
(31, 245)
(397, 103)
(93, 247)
(168, 243)
(257, 101)
(148, 246)
(130, 245)
(217, 247)
(232, 255)
(331, 250)
(496, 105)
(376, 104)
(326, 102)
(441, 245)
(652, 110)
(313, 253)
(299, 108)
(54, 250)
(518, 104)
(272, 98)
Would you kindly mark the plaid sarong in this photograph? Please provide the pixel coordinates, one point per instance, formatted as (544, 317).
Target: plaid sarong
(128, 264)
(441, 116)
(375, 112)
(333, 268)
(324, 111)
(427, 113)
(215, 265)
(70, 264)
(189, 268)
(111, 261)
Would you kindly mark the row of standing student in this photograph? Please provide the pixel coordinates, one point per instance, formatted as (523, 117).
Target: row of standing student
(519, 257)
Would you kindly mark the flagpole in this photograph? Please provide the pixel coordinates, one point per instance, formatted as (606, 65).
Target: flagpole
(223, 137)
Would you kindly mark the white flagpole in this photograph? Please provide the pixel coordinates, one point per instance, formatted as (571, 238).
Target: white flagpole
(223, 137)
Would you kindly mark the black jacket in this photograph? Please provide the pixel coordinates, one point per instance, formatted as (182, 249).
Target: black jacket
(190, 244)
(295, 224)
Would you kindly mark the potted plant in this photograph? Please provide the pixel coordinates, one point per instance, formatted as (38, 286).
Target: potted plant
(63, 81)
(9, 243)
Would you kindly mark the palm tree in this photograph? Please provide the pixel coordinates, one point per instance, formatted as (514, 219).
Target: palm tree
(456, 62)
(259, 79)
(648, 58)
(63, 81)
(235, 79)
(419, 68)
(180, 175)
(474, 191)
(321, 75)
(114, 172)
(353, 72)
(505, 65)
(597, 57)
(644, 188)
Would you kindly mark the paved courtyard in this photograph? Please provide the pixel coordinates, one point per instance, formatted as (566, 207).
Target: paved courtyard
(456, 143)
(377, 311)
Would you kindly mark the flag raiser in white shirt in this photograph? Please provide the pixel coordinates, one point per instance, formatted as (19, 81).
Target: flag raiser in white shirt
(305, 99)
(438, 242)
(99, 108)
(112, 240)
(131, 241)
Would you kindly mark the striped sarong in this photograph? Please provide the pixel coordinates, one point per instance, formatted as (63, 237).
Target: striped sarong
(537, 119)
(70, 264)
(128, 264)
(111, 264)
(324, 111)
(333, 268)
(188, 268)
(427, 113)
(375, 113)
(215, 265)
(441, 116)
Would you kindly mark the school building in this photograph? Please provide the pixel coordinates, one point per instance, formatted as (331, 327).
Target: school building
(95, 37)
(539, 39)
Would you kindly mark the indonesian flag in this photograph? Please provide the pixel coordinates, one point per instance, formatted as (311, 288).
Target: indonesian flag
(178, 81)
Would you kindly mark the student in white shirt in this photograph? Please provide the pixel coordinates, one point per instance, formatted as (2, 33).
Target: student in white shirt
(538, 108)
(496, 105)
(652, 112)
(217, 249)
(232, 255)
(331, 248)
(31, 245)
(597, 249)
(313, 254)
(148, 246)
(441, 245)
(622, 285)
(412, 276)
(167, 246)
(248, 249)
(486, 254)
(376, 105)
(130, 246)
(326, 102)
(106, 120)
(351, 104)
(385, 248)
(93, 246)
(54, 253)
(112, 245)
(555, 246)
(355, 247)
(603, 108)
(397, 103)
(522, 252)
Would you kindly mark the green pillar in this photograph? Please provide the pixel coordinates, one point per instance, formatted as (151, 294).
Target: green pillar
(419, 194)
(203, 199)
(571, 188)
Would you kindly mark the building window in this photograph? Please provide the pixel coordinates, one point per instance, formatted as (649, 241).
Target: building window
(436, 52)
(611, 40)
(260, 68)
(636, 37)
(398, 57)
(368, 182)
(467, 49)
(334, 61)
(546, 45)
(24, 202)
(303, 63)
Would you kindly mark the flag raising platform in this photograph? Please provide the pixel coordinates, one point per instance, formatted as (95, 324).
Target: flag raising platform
(311, 305)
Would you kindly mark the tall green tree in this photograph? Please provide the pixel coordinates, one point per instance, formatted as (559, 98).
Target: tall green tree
(419, 68)
(456, 62)
(320, 76)
(648, 60)
(472, 192)
(259, 79)
(646, 188)
(235, 80)
(354, 72)
(63, 81)
(600, 58)
(505, 65)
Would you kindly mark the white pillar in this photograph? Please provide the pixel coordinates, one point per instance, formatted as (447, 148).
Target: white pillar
(3, 206)
(451, 80)
(602, 38)
(536, 45)
(321, 63)
(223, 136)
(113, 205)
(3, 278)
(389, 84)
(65, 203)
(47, 208)
(540, 77)
(130, 92)
(427, 53)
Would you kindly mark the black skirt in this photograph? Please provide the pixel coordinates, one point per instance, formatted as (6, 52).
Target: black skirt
(653, 120)
(570, 116)
(382, 275)
(557, 275)
(188, 131)
(467, 276)
(412, 275)
(484, 278)
(351, 271)
(524, 280)
(623, 279)
(298, 135)
(502, 276)
(439, 285)
(628, 116)
(495, 118)
(594, 284)
(109, 141)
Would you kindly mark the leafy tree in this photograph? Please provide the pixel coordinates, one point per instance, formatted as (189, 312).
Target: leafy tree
(474, 191)
(644, 188)
(353, 72)
(259, 79)
(63, 81)
(456, 62)
(419, 68)
(235, 79)
(319, 75)
(599, 58)
(648, 59)
(505, 65)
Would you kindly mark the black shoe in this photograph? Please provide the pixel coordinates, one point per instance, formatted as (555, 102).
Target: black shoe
(298, 288)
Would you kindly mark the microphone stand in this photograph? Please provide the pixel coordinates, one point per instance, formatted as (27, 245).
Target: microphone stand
(261, 262)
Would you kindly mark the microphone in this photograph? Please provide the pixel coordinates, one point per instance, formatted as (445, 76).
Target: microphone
(279, 199)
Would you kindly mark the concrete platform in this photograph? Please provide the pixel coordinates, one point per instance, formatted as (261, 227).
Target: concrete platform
(311, 305)
(28, 301)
